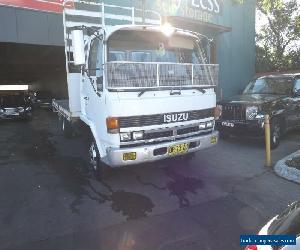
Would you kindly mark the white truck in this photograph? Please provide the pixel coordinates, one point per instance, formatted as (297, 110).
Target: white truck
(145, 91)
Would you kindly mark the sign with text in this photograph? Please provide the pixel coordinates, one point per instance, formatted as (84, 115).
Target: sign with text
(202, 10)
(268, 240)
(43, 5)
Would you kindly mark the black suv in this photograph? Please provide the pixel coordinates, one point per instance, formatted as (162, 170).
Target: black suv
(278, 96)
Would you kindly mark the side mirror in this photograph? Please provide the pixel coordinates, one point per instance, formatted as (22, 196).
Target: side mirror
(296, 92)
(78, 47)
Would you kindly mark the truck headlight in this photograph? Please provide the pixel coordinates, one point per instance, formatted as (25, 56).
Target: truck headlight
(139, 135)
(251, 112)
(125, 136)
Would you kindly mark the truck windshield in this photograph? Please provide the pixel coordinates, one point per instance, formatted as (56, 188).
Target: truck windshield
(275, 86)
(140, 46)
(150, 60)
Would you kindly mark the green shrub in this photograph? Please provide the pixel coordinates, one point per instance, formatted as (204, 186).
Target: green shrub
(294, 163)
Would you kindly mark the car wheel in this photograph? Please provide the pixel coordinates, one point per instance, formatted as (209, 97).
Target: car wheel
(97, 166)
(275, 134)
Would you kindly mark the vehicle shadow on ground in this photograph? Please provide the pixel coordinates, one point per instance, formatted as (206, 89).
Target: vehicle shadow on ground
(119, 188)
(245, 141)
(260, 142)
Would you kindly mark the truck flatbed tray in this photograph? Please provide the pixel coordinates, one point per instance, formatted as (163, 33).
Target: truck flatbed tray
(62, 107)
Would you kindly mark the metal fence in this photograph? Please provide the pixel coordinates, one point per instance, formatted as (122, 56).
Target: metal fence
(131, 75)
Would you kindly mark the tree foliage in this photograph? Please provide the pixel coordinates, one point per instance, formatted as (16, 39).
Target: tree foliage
(278, 41)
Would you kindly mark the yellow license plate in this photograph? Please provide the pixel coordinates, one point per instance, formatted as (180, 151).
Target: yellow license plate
(213, 140)
(130, 156)
(178, 149)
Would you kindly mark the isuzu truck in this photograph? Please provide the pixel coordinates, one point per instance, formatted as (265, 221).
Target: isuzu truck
(144, 88)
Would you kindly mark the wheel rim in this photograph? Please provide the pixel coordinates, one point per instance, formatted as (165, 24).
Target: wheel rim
(276, 134)
(93, 156)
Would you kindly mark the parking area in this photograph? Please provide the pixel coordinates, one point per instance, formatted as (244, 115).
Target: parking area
(50, 200)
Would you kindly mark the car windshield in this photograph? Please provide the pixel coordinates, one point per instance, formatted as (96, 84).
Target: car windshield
(140, 46)
(275, 86)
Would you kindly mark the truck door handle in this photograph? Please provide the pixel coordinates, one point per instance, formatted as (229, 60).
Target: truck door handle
(86, 98)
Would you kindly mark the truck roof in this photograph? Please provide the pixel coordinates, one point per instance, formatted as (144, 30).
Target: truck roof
(157, 28)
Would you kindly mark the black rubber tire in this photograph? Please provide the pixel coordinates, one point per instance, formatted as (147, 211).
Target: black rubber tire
(98, 168)
(275, 133)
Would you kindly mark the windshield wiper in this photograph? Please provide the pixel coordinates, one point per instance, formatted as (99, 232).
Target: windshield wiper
(143, 92)
(203, 91)
(172, 92)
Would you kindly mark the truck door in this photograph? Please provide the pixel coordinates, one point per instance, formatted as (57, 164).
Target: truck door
(94, 74)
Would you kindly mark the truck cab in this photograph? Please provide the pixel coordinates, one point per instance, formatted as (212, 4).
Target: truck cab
(145, 91)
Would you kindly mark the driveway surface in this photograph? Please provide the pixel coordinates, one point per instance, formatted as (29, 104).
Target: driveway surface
(50, 200)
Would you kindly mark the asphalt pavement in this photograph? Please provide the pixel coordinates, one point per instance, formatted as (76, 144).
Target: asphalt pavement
(50, 200)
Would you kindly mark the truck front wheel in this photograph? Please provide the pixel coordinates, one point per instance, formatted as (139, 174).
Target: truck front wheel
(95, 161)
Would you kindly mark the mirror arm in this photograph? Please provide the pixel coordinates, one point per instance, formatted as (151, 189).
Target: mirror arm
(84, 69)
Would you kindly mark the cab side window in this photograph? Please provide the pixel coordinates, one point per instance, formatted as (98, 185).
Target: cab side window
(297, 85)
(95, 65)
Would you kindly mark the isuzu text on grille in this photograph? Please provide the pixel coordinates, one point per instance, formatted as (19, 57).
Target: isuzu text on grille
(176, 117)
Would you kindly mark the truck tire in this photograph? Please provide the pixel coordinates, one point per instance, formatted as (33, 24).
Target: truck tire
(97, 166)
(275, 133)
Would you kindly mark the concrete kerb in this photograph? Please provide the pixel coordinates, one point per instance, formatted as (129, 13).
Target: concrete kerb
(287, 172)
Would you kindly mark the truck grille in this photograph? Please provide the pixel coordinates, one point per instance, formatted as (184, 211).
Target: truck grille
(169, 134)
(184, 131)
(158, 134)
(233, 112)
(148, 120)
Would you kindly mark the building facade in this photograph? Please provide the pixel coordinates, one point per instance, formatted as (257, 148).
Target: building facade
(31, 37)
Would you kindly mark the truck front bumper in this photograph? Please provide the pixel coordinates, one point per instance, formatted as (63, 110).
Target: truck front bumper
(150, 153)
